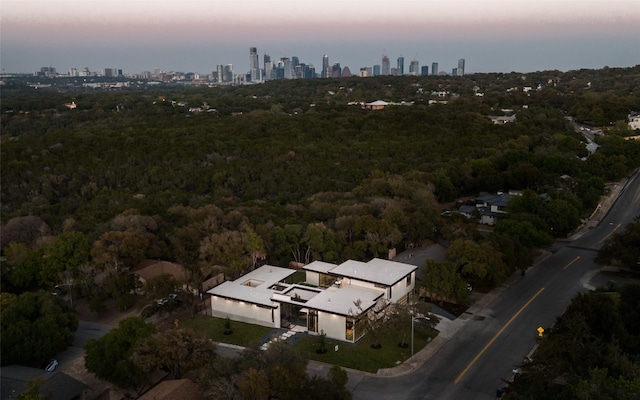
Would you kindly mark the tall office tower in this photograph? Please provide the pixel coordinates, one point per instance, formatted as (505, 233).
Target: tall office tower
(461, 67)
(434, 68)
(269, 70)
(346, 72)
(400, 66)
(414, 68)
(310, 72)
(454, 72)
(73, 72)
(254, 66)
(295, 61)
(266, 59)
(266, 75)
(386, 65)
(376, 70)
(287, 65)
(326, 72)
(425, 70)
(227, 73)
(336, 71)
(220, 70)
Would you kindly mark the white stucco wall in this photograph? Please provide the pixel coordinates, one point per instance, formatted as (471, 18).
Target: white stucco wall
(313, 278)
(244, 312)
(400, 289)
(332, 325)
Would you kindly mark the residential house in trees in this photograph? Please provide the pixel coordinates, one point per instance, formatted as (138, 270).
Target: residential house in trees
(634, 120)
(334, 299)
(489, 208)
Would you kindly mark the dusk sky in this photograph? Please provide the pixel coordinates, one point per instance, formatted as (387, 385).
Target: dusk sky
(196, 35)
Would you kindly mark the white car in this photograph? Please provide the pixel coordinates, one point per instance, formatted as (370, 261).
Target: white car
(51, 365)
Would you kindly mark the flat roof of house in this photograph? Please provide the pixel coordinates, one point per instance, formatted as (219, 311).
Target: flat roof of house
(383, 272)
(319, 266)
(253, 287)
(268, 274)
(341, 300)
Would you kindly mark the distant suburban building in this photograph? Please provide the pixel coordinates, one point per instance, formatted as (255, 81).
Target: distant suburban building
(334, 299)
(488, 208)
(376, 105)
(634, 120)
(434, 68)
(502, 119)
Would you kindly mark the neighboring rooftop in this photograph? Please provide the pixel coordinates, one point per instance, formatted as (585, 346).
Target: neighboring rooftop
(179, 389)
(60, 385)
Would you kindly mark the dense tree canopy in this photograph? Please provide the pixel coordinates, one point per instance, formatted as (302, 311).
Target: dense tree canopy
(109, 357)
(590, 353)
(35, 327)
(298, 171)
(622, 249)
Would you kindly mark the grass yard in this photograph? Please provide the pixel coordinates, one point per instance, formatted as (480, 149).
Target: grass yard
(358, 356)
(361, 356)
(213, 328)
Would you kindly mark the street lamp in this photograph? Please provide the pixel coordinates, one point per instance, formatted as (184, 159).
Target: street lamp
(69, 288)
(414, 319)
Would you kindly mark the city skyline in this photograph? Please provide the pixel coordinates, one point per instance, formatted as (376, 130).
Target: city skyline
(196, 36)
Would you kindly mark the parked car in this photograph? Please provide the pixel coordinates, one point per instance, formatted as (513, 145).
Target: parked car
(51, 365)
(162, 302)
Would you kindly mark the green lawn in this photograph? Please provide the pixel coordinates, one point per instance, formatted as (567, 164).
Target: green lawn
(361, 356)
(243, 334)
(358, 356)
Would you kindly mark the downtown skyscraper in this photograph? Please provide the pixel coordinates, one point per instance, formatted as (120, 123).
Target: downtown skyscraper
(326, 72)
(386, 65)
(400, 66)
(254, 65)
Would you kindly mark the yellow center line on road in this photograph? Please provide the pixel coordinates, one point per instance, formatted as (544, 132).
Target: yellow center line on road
(574, 260)
(611, 233)
(493, 339)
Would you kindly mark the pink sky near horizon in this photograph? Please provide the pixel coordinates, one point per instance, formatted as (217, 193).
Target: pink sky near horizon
(27, 21)
(73, 32)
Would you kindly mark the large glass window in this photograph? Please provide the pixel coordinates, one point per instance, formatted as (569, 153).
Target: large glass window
(355, 329)
(327, 280)
(349, 333)
(312, 321)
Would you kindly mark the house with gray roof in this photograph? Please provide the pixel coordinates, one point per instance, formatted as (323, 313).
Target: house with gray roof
(489, 207)
(334, 299)
(56, 384)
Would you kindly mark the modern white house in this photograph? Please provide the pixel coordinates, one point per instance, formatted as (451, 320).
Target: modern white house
(334, 299)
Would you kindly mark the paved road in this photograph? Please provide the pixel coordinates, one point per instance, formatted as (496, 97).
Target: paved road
(493, 339)
(86, 331)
